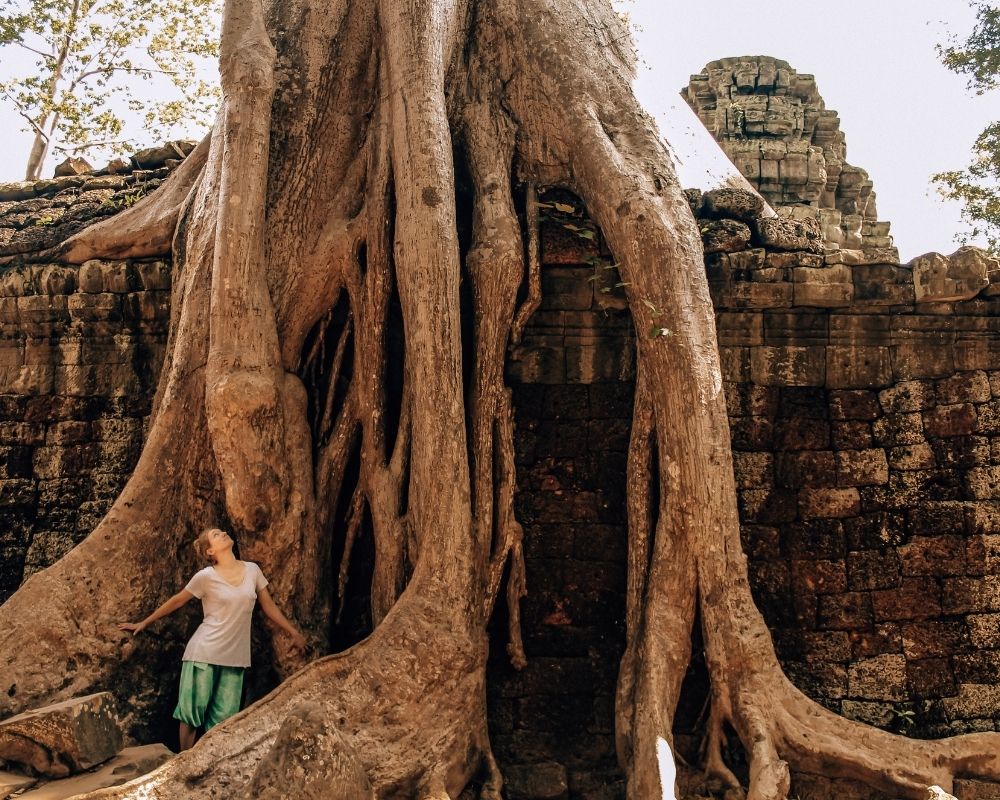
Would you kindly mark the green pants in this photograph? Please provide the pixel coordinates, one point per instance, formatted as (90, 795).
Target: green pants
(208, 693)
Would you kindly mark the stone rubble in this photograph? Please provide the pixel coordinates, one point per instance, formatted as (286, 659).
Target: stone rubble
(62, 739)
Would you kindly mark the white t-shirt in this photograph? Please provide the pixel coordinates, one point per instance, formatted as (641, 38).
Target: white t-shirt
(223, 638)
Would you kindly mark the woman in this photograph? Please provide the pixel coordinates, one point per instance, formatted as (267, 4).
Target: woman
(219, 652)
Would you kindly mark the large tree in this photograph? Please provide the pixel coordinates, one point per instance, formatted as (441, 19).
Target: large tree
(357, 138)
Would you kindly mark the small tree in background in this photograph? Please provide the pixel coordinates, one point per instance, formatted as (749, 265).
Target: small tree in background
(977, 186)
(96, 61)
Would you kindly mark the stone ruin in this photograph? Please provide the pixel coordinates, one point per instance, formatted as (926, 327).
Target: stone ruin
(864, 403)
(773, 124)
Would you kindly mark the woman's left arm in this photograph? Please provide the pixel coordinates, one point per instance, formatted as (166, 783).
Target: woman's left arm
(273, 613)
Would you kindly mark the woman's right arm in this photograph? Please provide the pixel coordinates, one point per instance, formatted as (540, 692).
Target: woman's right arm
(168, 607)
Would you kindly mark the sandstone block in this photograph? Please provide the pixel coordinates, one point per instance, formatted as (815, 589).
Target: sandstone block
(845, 611)
(850, 367)
(738, 204)
(724, 236)
(829, 503)
(851, 435)
(862, 467)
(853, 405)
(873, 569)
(974, 701)
(938, 278)
(894, 430)
(931, 678)
(878, 714)
(788, 366)
(959, 419)
(984, 631)
(907, 396)
(883, 285)
(64, 738)
(815, 468)
(964, 387)
(934, 357)
(753, 470)
(966, 789)
(915, 598)
(779, 233)
(934, 639)
(545, 781)
(879, 678)
(978, 595)
(983, 483)
(912, 457)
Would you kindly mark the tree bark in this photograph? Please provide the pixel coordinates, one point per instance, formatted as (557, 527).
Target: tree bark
(326, 195)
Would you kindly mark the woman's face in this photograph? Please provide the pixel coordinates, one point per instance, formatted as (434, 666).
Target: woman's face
(218, 541)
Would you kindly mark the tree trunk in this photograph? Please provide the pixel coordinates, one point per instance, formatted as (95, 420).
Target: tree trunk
(326, 195)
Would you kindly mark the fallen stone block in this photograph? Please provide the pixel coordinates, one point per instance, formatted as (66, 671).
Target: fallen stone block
(780, 233)
(960, 276)
(64, 738)
(11, 782)
(128, 765)
(729, 203)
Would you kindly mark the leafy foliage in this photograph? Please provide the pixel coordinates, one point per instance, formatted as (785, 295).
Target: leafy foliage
(977, 186)
(93, 64)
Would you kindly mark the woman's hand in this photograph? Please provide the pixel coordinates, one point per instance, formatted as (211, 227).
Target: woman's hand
(131, 627)
(299, 643)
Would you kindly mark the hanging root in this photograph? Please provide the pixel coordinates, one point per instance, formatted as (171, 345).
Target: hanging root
(534, 296)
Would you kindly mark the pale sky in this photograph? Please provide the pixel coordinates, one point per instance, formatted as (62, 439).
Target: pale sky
(905, 116)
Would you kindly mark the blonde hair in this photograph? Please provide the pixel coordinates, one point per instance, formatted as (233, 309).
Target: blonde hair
(201, 545)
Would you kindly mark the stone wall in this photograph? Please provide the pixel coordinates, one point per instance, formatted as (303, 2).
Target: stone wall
(80, 351)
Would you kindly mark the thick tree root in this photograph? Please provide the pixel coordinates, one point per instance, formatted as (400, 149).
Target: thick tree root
(403, 709)
(144, 230)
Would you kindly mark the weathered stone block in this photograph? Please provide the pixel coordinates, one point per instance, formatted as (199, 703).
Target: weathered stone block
(862, 468)
(779, 233)
(826, 287)
(851, 435)
(724, 236)
(983, 483)
(984, 630)
(964, 595)
(907, 396)
(845, 611)
(788, 366)
(64, 738)
(829, 503)
(934, 639)
(966, 789)
(816, 468)
(931, 358)
(878, 714)
(753, 470)
(878, 678)
(894, 430)
(730, 203)
(873, 569)
(974, 700)
(912, 457)
(959, 419)
(931, 678)
(856, 367)
(961, 276)
(883, 285)
(822, 576)
(963, 387)
(916, 598)
(857, 404)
